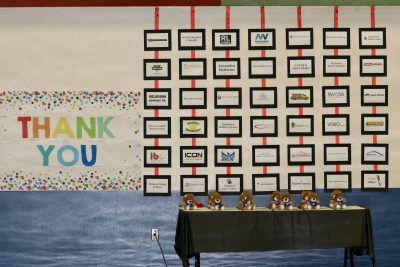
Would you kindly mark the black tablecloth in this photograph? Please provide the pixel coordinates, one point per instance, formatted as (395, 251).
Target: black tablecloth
(234, 231)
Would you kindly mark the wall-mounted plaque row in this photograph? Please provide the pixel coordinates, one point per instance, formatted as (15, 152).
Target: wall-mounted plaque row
(263, 39)
(264, 184)
(262, 67)
(265, 126)
(266, 155)
(264, 97)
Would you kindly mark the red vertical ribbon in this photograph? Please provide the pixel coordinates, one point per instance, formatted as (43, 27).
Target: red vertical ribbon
(193, 81)
(373, 52)
(336, 17)
(193, 26)
(262, 17)
(372, 16)
(156, 27)
(193, 52)
(192, 17)
(300, 79)
(227, 26)
(262, 26)
(263, 80)
(156, 82)
(227, 17)
(299, 17)
(336, 78)
(227, 81)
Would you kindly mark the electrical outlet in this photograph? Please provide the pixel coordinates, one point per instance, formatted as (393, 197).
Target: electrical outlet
(154, 234)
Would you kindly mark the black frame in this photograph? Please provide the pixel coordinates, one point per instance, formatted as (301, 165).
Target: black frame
(347, 162)
(305, 174)
(343, 87)
(205, 177)
(147, 177)
(252, 118)
(347, 74)
(219, 164)
(348, 174)
(384, 74)
(200, 77)
(290, 117)
(182, 135)
(385, 162)
(253, 153)
(269, 175)
(168, 48)
(216, 77)
(235, 31)
(298, 163)
(361, 46)
(326, 30)
(203, 43)
(346, 116)
(224, 89)
(147, 148)
(272, 47)
(181, 104)
(146, 119)
(375, 189)
(307, 75)
(159, 90)
(310, 46)
(203, 148)
(149, 61)
(218, 176)
(376, 115)
(259, 76)
(291, 105)
(366, 87)
(227, 118)
(254, 89)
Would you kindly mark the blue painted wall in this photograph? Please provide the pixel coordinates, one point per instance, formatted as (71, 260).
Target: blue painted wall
(113, 229)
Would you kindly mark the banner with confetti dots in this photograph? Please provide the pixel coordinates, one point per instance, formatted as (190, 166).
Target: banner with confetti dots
(70, 140)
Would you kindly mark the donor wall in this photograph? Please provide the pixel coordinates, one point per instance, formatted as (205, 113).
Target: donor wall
(224, 98)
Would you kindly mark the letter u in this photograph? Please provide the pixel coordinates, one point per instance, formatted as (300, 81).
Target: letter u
(84, 156)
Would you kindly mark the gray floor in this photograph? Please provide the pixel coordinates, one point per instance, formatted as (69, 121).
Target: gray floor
(113, 229)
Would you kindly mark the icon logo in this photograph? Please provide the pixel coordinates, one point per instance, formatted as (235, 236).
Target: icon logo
(301, 154)
(156, 40)
(263, 96)
(227, 156)
(368, 64)
(192, 126)
(299, 97)
(156, 157)
(157, 67)
(334, 123)
(225, 39)
(263, 126)
(193, 155)
(335, 94)
(293, 124)
(375, 123)
(229, 181)
(375, 153)
(379, 180)
(372, 95)
(261, 36)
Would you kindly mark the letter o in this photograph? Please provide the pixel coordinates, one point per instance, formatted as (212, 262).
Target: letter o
(61, 158)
